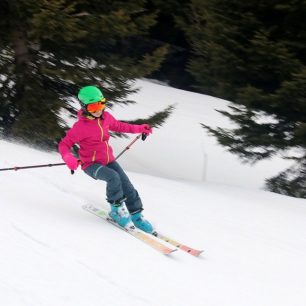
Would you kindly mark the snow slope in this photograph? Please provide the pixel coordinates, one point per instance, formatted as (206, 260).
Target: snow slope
(54, 253)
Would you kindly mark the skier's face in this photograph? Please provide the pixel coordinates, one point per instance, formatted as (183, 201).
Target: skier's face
(96, 106)
(97, 113)
(96, 109)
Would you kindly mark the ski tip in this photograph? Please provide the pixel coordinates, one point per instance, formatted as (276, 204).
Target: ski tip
(190, 251)
(195, 253)
(169, 252)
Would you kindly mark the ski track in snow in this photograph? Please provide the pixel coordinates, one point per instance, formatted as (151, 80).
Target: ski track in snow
(28, 236)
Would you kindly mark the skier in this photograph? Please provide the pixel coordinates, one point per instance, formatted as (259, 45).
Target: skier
(91, 133)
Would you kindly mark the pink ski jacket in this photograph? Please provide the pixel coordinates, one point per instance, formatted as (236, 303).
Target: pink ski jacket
(92, 135)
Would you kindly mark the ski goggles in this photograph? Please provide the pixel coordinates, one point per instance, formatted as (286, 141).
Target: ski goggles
(97, 106)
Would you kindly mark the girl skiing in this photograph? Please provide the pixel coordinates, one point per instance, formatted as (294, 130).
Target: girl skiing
(91, 133)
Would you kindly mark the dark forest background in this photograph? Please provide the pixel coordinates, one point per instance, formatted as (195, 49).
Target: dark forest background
(252, 53)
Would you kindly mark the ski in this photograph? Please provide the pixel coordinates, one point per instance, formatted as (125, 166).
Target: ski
(179, 245)
(140, 235)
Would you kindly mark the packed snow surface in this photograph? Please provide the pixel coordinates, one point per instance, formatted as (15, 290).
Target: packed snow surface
(55, 253)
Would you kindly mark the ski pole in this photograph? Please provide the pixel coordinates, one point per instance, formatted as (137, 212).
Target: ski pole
(34, 166)
(143, 137)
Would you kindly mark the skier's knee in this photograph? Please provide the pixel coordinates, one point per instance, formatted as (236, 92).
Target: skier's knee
(114, 178)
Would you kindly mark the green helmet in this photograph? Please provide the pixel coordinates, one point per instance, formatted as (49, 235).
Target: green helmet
(90, 94)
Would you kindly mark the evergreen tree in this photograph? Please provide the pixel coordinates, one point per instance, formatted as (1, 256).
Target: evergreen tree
(49, 49)
(173, 69)
(290, 182)
(254, 54)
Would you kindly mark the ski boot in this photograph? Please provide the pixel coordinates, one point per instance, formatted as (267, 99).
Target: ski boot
(141, 223)
(120, 214)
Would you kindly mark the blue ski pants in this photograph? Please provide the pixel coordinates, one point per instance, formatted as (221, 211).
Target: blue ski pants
(118, 184)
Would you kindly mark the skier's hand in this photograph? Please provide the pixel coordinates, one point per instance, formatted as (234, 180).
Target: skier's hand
(146, 129)
(71, 162)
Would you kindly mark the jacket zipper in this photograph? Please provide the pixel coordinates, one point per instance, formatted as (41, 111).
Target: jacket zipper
(102, 134)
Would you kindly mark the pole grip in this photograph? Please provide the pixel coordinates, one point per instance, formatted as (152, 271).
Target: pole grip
(143, 136)
(80, 163)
